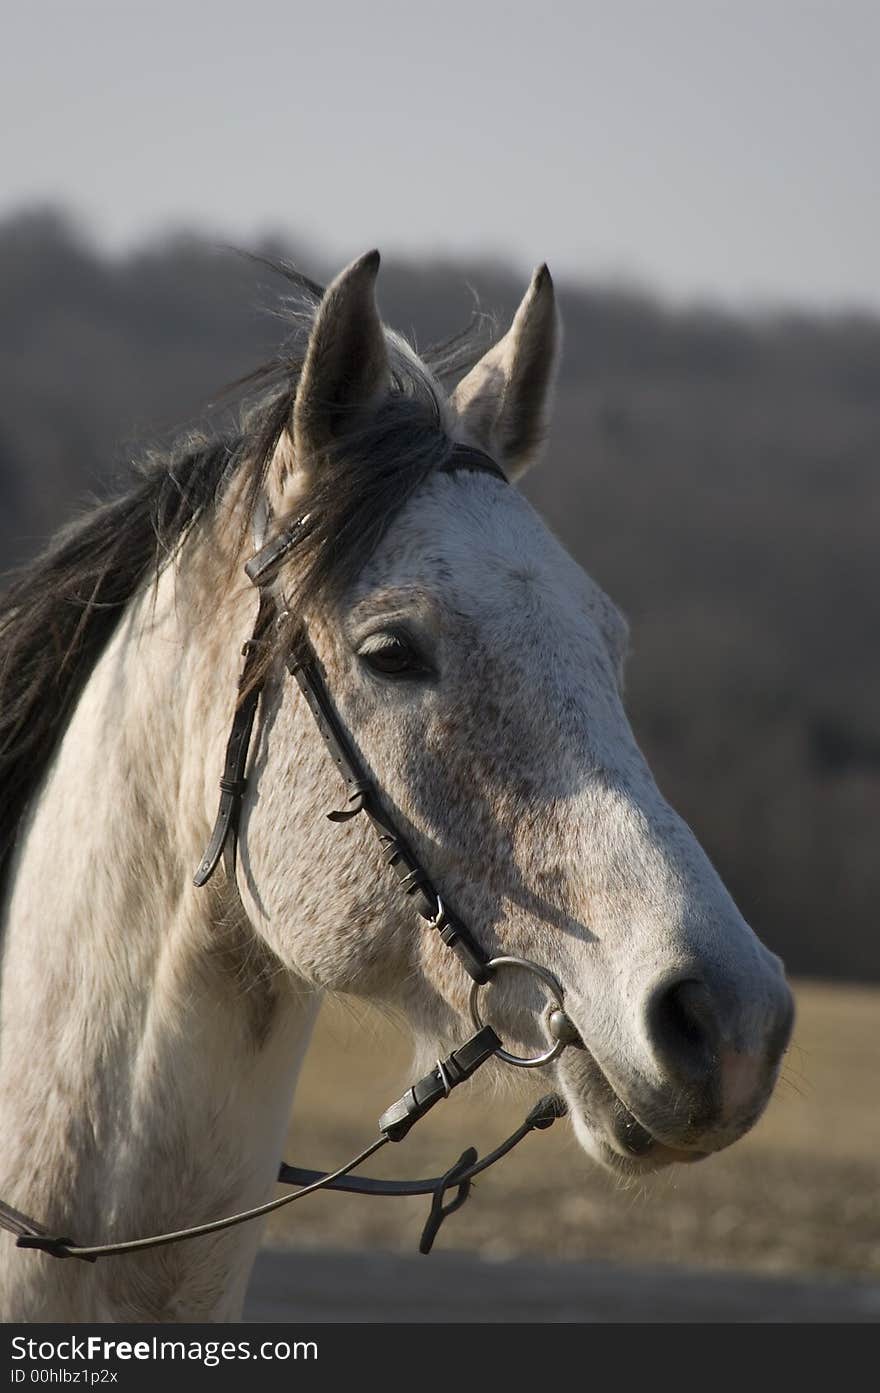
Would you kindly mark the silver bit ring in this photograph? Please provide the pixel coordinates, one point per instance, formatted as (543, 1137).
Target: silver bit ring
(552, 985)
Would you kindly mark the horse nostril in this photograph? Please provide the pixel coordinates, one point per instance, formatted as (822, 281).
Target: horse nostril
(684, 1030)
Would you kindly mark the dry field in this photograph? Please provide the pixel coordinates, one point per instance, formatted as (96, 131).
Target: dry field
(800, 1194)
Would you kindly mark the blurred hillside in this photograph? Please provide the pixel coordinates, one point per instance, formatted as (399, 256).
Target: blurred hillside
(719, 475)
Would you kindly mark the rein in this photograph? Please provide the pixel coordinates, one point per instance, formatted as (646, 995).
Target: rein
(362, 797)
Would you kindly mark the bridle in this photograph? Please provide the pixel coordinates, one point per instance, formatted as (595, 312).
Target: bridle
(415, 882)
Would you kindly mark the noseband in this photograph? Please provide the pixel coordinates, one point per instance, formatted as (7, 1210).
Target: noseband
(415, 883)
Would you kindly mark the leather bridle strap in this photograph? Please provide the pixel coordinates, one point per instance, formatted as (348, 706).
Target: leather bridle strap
(224, 838)
(459, 1176)
(30, 1234)
(362, 797)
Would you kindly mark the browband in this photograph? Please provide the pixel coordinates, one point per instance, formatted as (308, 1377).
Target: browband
(264, 563)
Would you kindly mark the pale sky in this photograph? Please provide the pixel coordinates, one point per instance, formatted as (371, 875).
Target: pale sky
(704, 149)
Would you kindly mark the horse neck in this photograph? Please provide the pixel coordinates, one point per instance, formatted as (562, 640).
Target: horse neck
(150, 1045)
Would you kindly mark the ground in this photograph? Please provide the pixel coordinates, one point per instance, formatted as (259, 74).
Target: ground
(800, 1194)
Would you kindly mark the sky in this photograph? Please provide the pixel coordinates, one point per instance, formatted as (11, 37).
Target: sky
(702, 149)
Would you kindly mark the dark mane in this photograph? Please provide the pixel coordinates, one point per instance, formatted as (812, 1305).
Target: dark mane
(59, 612)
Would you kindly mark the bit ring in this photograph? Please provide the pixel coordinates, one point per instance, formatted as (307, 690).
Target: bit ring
(552, 985)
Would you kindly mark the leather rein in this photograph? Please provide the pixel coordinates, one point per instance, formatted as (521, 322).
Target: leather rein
(416, 884)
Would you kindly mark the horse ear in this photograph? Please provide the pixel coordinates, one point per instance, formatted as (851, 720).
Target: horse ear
(346, 370)
(503, 403)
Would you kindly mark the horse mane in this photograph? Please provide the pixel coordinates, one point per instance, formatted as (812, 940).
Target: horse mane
(60, 610)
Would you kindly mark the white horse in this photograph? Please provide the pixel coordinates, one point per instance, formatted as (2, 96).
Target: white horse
(152, 1032)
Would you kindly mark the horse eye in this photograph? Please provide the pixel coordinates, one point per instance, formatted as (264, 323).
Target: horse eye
(392, 655)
